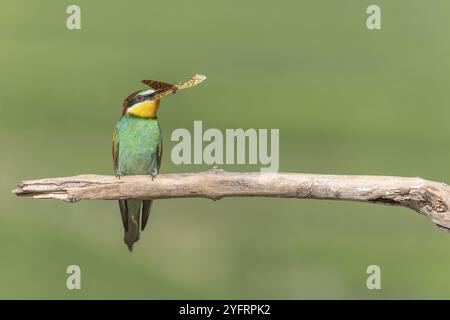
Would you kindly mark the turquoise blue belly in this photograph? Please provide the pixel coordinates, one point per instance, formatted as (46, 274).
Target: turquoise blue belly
(138, 142)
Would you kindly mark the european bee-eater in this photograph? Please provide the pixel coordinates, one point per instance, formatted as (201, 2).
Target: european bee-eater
(137, 147)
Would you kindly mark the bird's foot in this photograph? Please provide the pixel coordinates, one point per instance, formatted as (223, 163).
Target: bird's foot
(153, 176)
(118, 176)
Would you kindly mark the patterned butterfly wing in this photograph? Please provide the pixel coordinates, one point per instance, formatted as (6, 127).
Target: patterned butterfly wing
(158, 85)
(195, 80)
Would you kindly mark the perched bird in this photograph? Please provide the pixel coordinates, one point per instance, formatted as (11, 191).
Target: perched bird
(137, 147)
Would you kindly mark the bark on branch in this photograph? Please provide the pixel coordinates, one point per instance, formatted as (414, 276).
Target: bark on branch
(429, 198)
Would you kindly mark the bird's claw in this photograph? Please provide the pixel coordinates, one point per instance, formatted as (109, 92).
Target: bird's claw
(118, 176)
(153, 176)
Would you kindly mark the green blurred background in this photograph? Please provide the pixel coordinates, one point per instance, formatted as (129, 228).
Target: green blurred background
(346, 100)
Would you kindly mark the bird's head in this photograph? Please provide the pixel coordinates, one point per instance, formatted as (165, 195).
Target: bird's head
(143, 103)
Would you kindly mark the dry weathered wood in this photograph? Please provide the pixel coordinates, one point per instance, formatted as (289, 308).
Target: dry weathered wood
(429, 198)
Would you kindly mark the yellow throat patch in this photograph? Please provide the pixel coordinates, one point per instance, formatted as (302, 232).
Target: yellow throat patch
(144, 109)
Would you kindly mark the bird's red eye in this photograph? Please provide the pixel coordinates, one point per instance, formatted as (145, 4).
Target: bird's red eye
(139, 98)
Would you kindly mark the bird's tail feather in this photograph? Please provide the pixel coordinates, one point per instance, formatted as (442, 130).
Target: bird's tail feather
(146, 207)
(131, 218)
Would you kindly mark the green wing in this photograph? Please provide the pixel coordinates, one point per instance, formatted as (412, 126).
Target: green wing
(115, 154)
(159, 151)
(147, 204)
(115, 148)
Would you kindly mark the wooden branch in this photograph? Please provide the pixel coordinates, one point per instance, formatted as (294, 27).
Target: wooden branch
(429, 198)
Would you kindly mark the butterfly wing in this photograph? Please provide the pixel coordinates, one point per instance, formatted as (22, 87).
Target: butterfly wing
(158, 85)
